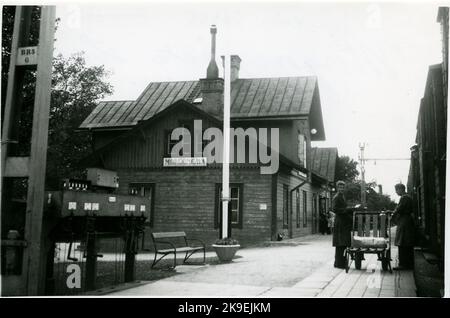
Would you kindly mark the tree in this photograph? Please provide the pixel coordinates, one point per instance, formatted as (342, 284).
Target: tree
(346, 169)
(76, 89)
(374, 200)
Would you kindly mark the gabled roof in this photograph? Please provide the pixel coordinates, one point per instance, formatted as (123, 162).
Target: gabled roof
(155, 98)
(266, 97)
(250, 98)
(323, 161)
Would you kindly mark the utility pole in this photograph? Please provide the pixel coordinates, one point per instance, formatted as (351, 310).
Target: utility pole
(31, 278)
(226, 229)
(362, 161)
(363, 180)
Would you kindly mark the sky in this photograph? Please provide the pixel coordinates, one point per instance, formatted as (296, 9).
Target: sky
(371, 59)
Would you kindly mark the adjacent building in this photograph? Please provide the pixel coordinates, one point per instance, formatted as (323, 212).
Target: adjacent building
(426, 182)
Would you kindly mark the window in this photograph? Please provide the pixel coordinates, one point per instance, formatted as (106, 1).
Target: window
(305, 221)
(191, 143)
(144, 190)
(285, 206)
(302, 150)
(199, 143)
(297, 196)
(236, 204)
(169, 143)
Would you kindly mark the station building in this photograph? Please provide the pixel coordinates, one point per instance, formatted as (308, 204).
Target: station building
(133, 138)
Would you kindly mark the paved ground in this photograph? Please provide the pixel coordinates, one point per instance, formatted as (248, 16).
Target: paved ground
(300, 267)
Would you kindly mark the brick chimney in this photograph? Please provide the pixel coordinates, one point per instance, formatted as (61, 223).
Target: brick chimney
(212, 86)
(235, 62)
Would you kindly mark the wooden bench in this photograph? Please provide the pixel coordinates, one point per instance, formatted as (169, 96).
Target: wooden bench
(178, 243)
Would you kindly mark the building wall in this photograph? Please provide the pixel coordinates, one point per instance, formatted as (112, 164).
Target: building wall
(302, 126)
(312, 220)
(430, 168)
(185, 197)
(101, 138)
(185, 200)
(288, 145)
(147, 148)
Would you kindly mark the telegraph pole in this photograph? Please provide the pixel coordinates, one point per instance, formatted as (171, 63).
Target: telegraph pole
(226, 149)
(31, 278)
(363, 180)
(362, 161)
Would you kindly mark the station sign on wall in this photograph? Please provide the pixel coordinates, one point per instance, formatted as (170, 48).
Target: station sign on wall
(185, 162)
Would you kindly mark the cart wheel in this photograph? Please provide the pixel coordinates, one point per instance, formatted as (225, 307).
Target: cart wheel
(358, 260)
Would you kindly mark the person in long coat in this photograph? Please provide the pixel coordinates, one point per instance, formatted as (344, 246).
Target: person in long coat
(405, 234)
(342, 225)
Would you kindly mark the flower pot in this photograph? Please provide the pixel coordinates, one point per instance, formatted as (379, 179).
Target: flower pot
(225, 253)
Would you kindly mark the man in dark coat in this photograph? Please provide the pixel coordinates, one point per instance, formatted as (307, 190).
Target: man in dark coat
(342, 225)
(405, 235)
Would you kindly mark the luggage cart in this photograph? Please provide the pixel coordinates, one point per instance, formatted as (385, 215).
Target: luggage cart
(371, 234)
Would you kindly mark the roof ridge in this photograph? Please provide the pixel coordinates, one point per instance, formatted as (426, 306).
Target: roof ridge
(272, 77)
(167, 82)
(317, 147)
(117, 100)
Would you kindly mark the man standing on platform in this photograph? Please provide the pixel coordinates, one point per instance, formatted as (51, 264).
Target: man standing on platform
(342, 225)
(405, 235)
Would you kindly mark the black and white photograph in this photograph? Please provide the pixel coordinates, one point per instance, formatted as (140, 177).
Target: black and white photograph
(224, 150)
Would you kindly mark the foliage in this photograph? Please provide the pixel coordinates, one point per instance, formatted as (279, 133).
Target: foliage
(374, 200)
(76, 88)
(227, 241)
(346, 169)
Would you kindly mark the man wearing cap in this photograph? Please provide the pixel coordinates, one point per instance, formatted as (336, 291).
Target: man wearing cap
(342, 225)
(405, 235)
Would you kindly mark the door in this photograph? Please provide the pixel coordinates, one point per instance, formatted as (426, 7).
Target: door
(286, 213)
(315, 214)
(323, 212)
